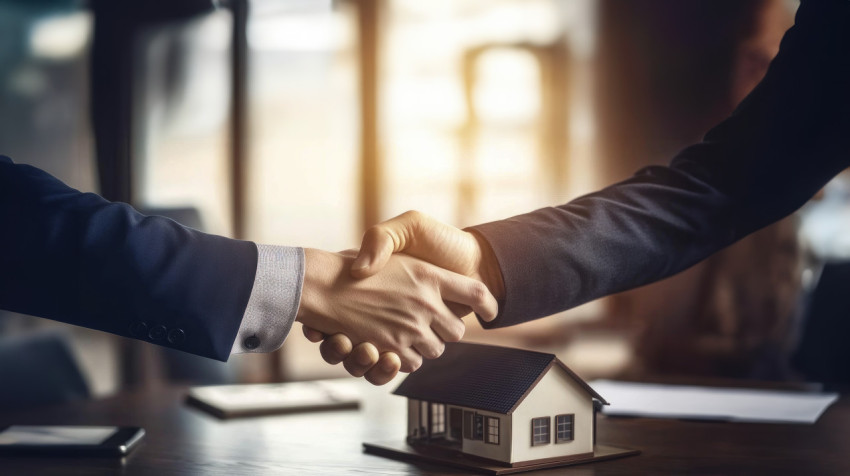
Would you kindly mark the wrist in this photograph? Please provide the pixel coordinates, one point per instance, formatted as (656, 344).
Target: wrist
(488, 270)
(318, 278)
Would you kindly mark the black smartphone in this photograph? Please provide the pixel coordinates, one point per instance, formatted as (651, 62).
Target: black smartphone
(69, 440)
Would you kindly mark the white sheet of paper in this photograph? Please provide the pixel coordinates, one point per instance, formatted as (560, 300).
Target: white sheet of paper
(278, 395)
(711, 403)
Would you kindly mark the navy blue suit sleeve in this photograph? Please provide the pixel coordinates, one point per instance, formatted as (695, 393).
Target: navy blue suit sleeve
(785, 141)
(77, 258)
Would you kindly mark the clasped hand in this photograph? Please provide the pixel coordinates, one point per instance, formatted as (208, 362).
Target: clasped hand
(388, 310)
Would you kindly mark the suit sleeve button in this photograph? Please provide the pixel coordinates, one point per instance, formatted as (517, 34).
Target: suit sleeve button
(251, 342)
(139, 329)
(157, 332)
(176, 336)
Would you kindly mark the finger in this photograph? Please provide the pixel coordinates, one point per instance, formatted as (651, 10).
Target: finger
(312, 334)
(335, 348)
(458, 310)
(449, 328)
(387, 368)
(429, 345)
(468, 291)
(410, 360)
(363, 357)
(382, 240)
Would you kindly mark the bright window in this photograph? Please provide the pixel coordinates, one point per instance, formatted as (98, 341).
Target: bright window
(438, 418)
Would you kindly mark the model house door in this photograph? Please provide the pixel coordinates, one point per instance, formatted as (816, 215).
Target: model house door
(424, 421)
(456, 423)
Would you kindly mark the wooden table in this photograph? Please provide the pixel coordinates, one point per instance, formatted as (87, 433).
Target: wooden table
(183, 440)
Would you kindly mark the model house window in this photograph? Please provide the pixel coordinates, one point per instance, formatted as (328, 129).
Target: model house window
(479, 427)
(564, 428)
(492, 431)
(540, 432)
(473, 426)
(438, 418)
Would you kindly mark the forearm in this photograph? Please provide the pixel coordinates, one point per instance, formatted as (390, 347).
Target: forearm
(77, 258)
(783, 143)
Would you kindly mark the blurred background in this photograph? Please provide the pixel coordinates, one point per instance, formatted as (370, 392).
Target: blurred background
(302, 122)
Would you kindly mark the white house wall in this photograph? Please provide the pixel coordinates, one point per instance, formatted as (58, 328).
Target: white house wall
(556, 394)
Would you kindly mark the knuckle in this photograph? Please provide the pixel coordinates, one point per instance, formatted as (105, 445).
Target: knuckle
(456, 331)
(431, 349)
(479, 293)
(353, 368)
(401, 336)
(375, 378)
(412, 215)
(373, 232)
(338, 347)
(329, 357)
(438, 350)
(359, 356)
(427, 274)
(420, 271)
(417, 334)
(419, 303)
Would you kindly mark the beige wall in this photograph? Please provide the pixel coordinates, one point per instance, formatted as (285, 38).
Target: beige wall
(556, 393)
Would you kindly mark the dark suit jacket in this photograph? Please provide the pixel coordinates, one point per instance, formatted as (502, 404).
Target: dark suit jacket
(781, 145)
(77, 258)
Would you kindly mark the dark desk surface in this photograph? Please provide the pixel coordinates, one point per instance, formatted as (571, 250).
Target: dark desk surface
(185, 441)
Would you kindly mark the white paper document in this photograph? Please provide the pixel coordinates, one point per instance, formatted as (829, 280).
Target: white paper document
(711, 403)
(227, 401)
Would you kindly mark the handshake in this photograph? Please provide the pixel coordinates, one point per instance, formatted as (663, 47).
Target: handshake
(379, 312)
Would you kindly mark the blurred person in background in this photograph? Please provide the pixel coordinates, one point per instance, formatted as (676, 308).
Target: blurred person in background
(733, 315)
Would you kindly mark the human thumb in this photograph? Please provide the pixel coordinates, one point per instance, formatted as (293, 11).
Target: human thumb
(375, 251)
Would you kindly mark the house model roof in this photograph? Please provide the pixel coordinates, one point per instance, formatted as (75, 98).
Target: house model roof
(481, 376)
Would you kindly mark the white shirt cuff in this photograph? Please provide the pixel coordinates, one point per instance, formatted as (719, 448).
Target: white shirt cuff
(274, 299)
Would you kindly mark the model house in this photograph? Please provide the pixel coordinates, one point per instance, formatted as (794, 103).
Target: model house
(506, 405)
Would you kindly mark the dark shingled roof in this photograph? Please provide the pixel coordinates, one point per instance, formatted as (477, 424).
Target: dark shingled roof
(480, 376)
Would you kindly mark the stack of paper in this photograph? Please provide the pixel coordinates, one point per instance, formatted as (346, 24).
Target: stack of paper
(708, 403)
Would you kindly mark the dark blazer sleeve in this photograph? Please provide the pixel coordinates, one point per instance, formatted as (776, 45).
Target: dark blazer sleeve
(77, 258)
(782, 144)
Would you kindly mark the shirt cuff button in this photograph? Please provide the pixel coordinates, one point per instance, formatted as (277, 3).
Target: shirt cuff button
(251, 342)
